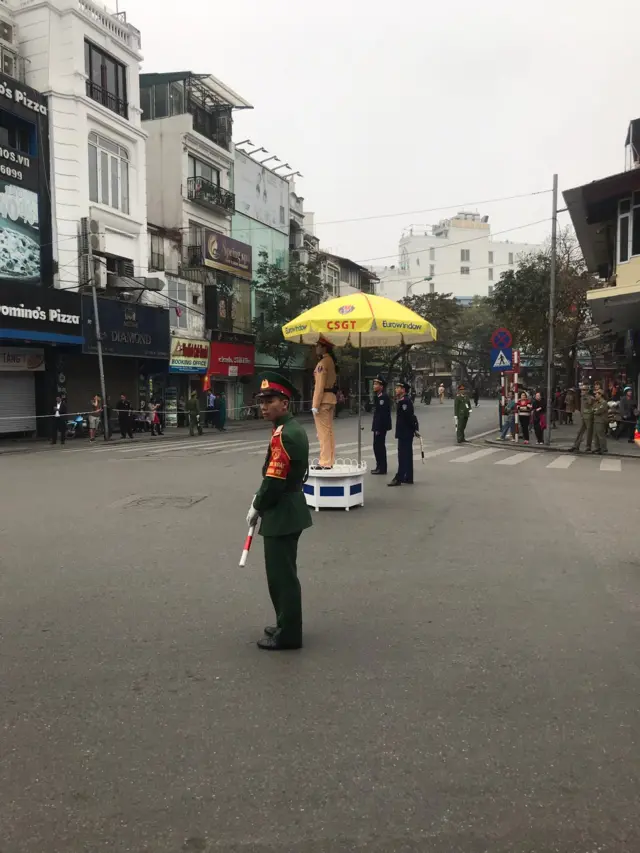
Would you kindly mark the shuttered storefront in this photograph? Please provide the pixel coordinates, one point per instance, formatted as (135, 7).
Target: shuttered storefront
(83, 380)
(17, 402)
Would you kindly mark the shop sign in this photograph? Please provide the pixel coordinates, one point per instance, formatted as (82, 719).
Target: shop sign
(222, 253)
(188, 356)
(16, 359)
(34, 313)
(127, 329)
(232, 359)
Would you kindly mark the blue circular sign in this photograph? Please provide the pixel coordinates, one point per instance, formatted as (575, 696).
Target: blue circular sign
(501, 338)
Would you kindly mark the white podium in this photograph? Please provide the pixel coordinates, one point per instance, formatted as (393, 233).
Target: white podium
(341, 487)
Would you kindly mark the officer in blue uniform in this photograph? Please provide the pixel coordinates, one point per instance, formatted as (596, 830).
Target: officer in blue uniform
(405, 431)
(381, 424)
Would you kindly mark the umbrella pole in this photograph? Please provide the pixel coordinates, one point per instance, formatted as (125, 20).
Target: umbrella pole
(359, 398)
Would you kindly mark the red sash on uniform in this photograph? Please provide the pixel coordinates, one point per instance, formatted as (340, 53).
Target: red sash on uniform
(279, 461)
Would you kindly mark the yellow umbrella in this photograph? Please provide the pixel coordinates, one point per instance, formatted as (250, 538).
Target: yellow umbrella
(362, 320)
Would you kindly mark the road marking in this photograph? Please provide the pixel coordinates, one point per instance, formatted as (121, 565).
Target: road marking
(516, 459)
(429, 454)
(562, 462)
(479, 454)
(482, 434)
(611, 465)
(177, 446)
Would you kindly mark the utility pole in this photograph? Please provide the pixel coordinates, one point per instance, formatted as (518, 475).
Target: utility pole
(96, 323)
(552, 308)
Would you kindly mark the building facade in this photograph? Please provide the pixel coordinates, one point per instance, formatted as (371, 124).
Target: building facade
(456, 256)
(191, 203)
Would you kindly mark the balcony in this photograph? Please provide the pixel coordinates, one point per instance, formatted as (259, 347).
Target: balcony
(102, 96)
(212, 196)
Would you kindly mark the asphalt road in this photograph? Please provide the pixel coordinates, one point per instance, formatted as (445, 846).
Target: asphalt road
(469, 680)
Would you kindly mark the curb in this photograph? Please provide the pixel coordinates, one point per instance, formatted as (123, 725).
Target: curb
(556, 449)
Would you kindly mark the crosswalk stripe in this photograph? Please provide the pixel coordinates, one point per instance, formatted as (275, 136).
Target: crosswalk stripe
(562, 462)
(479, 454)
(516, 459)
(610, 465)
(429, 454)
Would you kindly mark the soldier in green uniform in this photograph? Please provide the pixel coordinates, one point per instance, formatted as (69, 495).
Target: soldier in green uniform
(193, 409)
(281, 505)
(587, 401)
(461, 411)
(600, 421)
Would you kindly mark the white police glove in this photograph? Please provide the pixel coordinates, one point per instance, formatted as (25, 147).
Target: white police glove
(253, 515)
(314, 411)
(455, 421)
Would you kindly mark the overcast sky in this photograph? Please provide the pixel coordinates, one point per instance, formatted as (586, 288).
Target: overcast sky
(405, 106)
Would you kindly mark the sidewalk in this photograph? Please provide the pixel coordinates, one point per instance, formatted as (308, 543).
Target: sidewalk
(562, 439)
(32, 445)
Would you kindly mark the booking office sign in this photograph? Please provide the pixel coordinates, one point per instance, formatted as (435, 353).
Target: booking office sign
(23, 180)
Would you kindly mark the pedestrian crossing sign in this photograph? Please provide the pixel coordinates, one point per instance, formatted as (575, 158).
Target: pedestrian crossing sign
(502, 359)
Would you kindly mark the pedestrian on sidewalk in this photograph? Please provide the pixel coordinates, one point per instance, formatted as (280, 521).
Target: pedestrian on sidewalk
(524, 415)
(476, 397)
(125, 418)
(222, 412)
(211, 408)
(441, 393)
(600, 421)
(587, 401)
(538, 417)
(94, 416)
(628, 414)
(570, 405)
(509, 424)
(381, 424)
(281, 505)
(461, 412)
(59, 421)
(405, 432)
(193, 412)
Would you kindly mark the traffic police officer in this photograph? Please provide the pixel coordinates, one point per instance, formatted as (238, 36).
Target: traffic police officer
(281, 505)
(587, 402)
(461, 411)
(381, 424)
(405, 430)
(324, 401)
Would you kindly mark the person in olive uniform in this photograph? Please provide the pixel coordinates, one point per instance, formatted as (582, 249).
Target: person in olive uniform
(600, 421)
(281, 505)
(381, 424)
(405, 431)
(587, 401)
(193, 411)
(461, 411)
(323, 407)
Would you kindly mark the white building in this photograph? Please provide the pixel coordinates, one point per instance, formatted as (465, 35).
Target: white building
(87, 61)
(456, 256)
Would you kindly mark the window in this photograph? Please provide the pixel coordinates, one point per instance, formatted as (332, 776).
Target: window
(432, 254)
(177, 297)
(106, 79)
(156, 253)
(465, 255)
(432, 269)
(17, 133)
(332, 279)
(198, 169)
(490, 271)
(161, 100)
(465, 271)
(511, 258)
(108, 173)
(490, 257)
(282, 215)
(490, 292)
(9, 62)
(432, 287)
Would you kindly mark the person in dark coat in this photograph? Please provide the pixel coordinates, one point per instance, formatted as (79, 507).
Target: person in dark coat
(125, 417)
(381, 424)
(405, 431)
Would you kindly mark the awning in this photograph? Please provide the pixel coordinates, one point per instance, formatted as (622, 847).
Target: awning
(615, 309)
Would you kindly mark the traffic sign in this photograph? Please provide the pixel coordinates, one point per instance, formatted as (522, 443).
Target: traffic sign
(501, 338)
(501, 358)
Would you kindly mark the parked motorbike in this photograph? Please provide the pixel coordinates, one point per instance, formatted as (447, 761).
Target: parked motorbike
(77, 427)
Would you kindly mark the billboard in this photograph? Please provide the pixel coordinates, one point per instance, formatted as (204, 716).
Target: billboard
(223, 253)
(260, 194)
(127, 329)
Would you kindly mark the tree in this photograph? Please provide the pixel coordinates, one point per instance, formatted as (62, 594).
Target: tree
(282, 294)
(521, 301)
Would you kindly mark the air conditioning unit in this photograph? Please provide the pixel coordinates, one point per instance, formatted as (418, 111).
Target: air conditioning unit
(99, 274)
(7, 33)
(94, 273)
(97, 237)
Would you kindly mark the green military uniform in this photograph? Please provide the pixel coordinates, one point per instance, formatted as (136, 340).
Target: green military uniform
(587, 401)
(461, 410)
(193, 408)
(284, 512)
(600, 421)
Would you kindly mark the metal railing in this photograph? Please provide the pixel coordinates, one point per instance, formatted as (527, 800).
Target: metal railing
(209, 194)
(107, 99)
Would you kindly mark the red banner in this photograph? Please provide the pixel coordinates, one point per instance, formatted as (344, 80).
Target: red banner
(232, 359)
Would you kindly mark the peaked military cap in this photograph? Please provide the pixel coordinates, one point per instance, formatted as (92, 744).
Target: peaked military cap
(274, 383)
(381, 380)
(402, 384)
(324, 342)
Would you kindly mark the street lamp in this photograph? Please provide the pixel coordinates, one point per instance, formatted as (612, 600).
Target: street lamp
(413, 284)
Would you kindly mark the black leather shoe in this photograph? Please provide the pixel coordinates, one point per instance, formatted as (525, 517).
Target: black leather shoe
(270, 644)
(270, 630)
(394, 482)
(375, 471)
